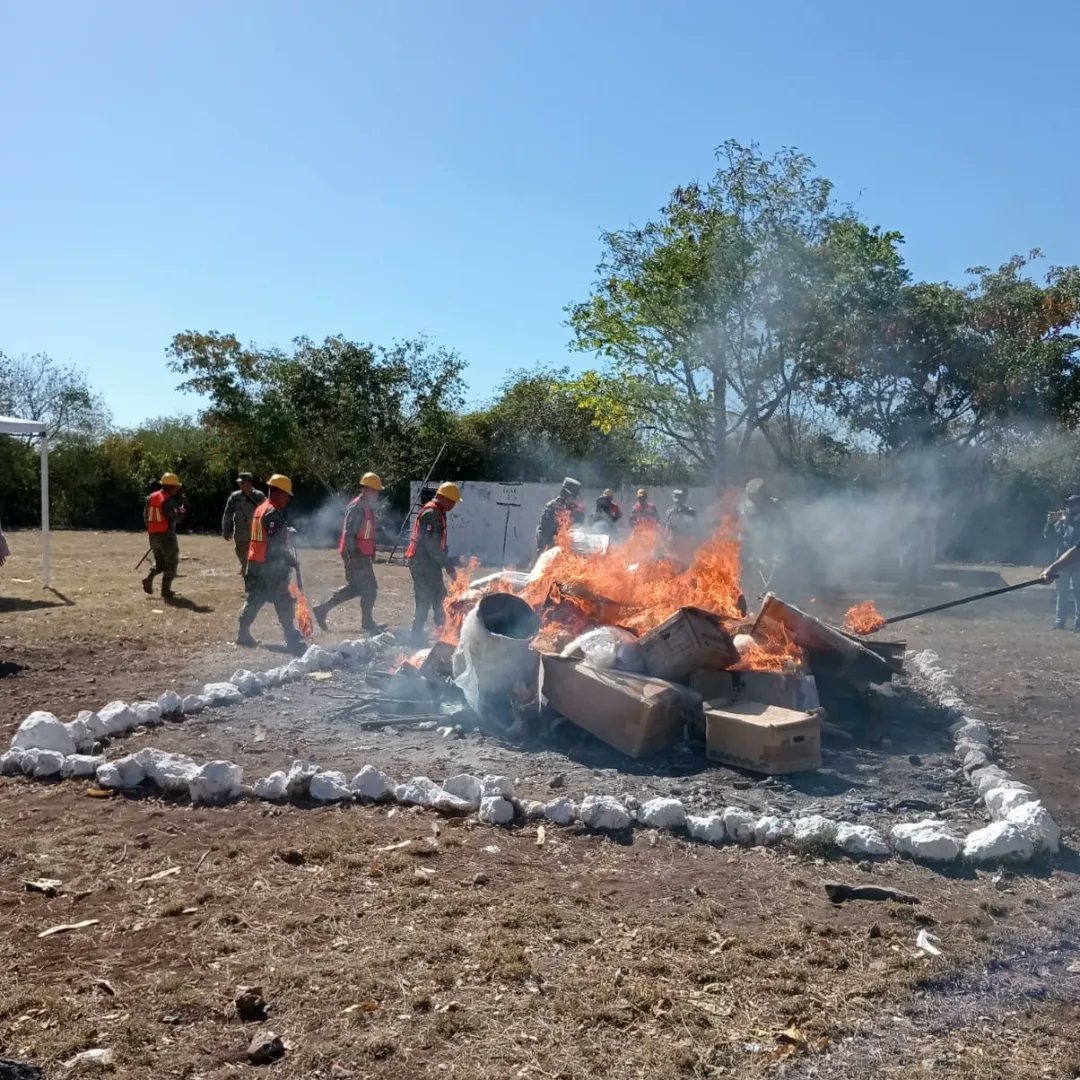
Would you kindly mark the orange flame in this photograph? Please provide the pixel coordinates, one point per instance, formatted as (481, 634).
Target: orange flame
(303, 612)
(863, 618)
(634, 585)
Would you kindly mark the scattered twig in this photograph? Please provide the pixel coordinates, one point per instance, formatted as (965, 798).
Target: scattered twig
(63, 928)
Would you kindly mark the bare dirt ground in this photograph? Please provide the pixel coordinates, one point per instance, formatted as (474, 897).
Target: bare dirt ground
(473, 952)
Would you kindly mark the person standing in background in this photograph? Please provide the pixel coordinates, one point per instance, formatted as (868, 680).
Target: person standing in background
(1063, 527)
(240, 508)
(5, 551)
(428, 558)
(561, 512)
(607, 514)
(163, 511)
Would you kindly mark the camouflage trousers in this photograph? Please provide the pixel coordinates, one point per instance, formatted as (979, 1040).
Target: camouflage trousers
(359, 583)
(269, 586)
(241, 552)
(165, 549)
(429, 591)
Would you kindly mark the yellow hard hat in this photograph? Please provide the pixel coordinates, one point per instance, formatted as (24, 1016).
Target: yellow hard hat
(450, 491)
(371, 480)
(170, 479)
(642, 493)
(608, 493)
(282, 483)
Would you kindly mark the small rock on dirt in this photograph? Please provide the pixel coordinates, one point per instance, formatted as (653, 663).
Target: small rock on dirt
(266, 1048)
(42, 731)
(250, 1005)
(604, 813)
(663, 813)
(18, 1070)
(557, 781)
(560, 811)
(496, 810)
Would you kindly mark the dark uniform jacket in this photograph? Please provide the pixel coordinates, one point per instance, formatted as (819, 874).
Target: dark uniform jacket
(560, 509)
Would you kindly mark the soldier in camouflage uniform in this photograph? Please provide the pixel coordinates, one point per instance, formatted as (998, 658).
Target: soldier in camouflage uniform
(270, 563)
(681, 529)
(163, 510)
(239, 510)
(562, 510)
(428, 557)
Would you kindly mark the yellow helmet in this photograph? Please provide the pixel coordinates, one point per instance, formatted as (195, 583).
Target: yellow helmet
(642, 493)
(282, 483)
(608, 493)
(170, 479)
(449, 491)
(371, 480)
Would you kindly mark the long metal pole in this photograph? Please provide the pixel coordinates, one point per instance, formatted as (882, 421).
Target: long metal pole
(46, 560)
(412, 505)
(965, 600)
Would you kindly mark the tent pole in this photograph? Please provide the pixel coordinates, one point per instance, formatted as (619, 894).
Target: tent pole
(46, 565)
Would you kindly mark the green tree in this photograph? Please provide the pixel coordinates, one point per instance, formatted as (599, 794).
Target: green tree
(715, 316)
(38, 388)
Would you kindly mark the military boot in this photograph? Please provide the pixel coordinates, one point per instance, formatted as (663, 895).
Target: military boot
(244, 638)
(148, 584)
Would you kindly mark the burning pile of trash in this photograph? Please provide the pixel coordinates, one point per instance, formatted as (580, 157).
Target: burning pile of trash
(642, 654)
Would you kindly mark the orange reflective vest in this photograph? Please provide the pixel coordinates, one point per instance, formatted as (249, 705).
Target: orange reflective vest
(259, 539)
(156, 521)
(365, 535)
(410, 551)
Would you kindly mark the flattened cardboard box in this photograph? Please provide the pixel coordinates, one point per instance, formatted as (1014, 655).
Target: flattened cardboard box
(763, 738)
(635, 714)
(691, 638)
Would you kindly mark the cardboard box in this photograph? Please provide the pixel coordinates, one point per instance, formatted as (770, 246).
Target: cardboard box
(691, 638)
(789, 690)
(763, 738)
(714, 685)
(635, 714)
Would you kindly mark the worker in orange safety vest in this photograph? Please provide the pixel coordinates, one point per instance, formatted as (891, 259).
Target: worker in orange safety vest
(428, 557)
(270, 563)
(357, 550)
(163, 510)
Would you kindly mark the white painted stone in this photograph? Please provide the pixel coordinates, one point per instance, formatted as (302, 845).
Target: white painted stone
(771, 829)
(1035, 822)
(418, 791)
(274, 787)
(42, 731)
(290, 674)
(708, 828)
(465, 786)
(11, 763)
(118, 717)
(318, 659)
(604, 812)
(147, 713)
(125, 773)
(560, 811)
(298, 778)
(399, 791)
(965, 747)
(999, 840)
(170, 773)
(42, 763)
(815, 829)
(273, 677)
(975, 759)
(81, 735)
(1000, 800)
(246, 682)
(988, 778)
(445, 803)
(373, 785)
(215, 782)
(77, 766)
(329, 787)
(495, 810)
(663, 813)
(860, 840)
(93, 724)
(928, 839)
(169, 703)
(974, 731)
(739, 824)
(355, 649)
(491, 786)
(222, 693)
(298, 668)
(192, 704)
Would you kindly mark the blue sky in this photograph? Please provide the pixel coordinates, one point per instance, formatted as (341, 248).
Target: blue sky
(386, 169)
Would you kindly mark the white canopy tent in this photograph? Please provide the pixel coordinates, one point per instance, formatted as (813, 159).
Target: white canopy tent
(10, 425)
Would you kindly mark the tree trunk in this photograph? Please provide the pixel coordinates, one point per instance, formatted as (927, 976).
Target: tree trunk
(720, 471)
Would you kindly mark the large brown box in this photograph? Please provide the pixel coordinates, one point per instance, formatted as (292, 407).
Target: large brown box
(689, 639)
(763, 738)
(635, 714)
